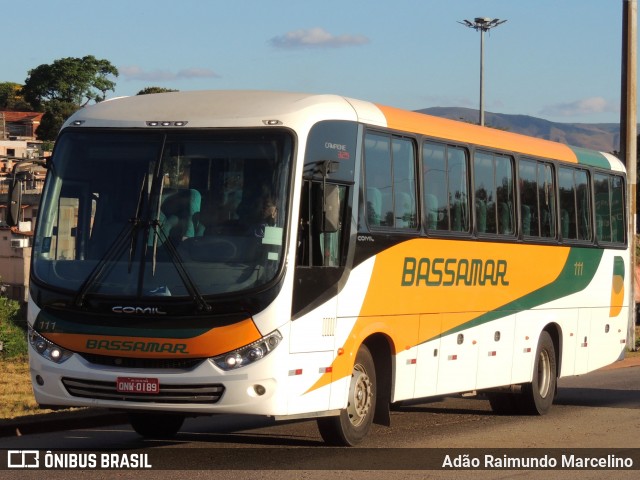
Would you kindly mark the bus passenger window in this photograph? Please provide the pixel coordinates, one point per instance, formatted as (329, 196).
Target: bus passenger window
(575, 205)
(435, 181)
(609, 208)
(537, 199)
(378, 177)
(495, 211)
(404, 183)
(390, 193)
(619, 226)
(446, 197)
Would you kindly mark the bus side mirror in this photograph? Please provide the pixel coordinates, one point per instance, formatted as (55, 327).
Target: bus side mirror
(18, 175)
(15, 202)
(328, 209)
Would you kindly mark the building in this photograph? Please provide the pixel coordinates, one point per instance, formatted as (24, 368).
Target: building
(19, 125)
(11, 149)
(15, 259)
(18, 141)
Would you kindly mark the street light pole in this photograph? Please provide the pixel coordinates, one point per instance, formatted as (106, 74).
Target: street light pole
(483, 25)
(628, 141)
(481, 76)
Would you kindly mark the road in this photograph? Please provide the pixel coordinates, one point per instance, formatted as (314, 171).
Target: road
(600, 410)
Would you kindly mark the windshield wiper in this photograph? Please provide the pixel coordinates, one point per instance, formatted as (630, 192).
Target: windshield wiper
(188, 282)
(106, 262)
(115, 250)
(136, 222)
(130, 234)
(154, 227)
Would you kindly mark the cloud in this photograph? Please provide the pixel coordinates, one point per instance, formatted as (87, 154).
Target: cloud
(134, 72)
(316, 38)
(586, 106)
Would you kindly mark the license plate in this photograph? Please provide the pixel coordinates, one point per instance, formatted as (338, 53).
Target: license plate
(149, 386)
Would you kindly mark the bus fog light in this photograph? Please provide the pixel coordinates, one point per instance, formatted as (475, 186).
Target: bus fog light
(249, 353)
(39, 380)
(259, 389)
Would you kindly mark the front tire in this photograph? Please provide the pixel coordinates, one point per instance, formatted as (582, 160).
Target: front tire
(537, 396)
(156, 425)
(352, 425)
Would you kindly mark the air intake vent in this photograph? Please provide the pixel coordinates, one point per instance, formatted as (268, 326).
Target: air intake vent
(148, 363)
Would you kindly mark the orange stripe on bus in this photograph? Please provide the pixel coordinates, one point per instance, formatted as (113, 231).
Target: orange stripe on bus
(443, 128)
(216, 341)
(410, 315)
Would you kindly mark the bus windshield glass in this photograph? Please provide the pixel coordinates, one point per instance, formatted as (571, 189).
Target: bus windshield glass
(139, 213)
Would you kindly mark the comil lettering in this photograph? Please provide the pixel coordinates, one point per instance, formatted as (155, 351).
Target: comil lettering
(453, 272)
(138, 310)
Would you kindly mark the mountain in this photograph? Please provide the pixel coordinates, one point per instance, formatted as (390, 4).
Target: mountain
(604, 137)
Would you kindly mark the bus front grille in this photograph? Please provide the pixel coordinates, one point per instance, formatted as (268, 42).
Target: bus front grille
(187, 394)
(123, 362)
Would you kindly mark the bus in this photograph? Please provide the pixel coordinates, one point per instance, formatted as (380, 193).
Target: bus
(313, 256)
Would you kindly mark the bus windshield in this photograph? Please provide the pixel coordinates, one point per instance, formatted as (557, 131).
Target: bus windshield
(139, 213)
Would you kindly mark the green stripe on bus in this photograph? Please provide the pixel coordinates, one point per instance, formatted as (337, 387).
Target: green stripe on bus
(579, 269)
(590, 157)
(618, 266)
(47, 323)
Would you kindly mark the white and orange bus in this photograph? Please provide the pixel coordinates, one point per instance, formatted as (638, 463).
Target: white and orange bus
(301, 256)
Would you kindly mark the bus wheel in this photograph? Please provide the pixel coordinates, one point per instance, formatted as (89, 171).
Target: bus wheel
(352, 425)
(156, 425)
(537, 396)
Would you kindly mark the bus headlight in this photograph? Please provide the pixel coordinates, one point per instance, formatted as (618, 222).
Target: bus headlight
(249, 353)
(47, 349)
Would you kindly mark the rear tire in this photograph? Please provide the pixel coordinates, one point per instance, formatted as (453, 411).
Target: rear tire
(352, 425)
(537, 396)
(156, 425)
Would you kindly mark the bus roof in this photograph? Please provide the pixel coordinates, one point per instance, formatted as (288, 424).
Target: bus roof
(215, 108)
(253, 108)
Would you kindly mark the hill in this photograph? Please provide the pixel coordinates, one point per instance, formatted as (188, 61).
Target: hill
(604, 137)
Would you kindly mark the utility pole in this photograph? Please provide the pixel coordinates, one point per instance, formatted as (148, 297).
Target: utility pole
(483, 25)
(628, 139)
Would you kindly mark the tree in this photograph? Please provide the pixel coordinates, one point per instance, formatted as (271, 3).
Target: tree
(71, 80)
(61, 88)
(11, 98)
(56, 114)
(148, 90)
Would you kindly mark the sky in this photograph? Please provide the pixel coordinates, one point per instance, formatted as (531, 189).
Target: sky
(554, 59)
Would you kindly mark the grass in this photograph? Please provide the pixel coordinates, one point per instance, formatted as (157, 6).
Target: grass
(13, 334)
(16, 394)
(15, 388)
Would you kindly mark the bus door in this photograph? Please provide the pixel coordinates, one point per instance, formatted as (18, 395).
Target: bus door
(320, 267)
